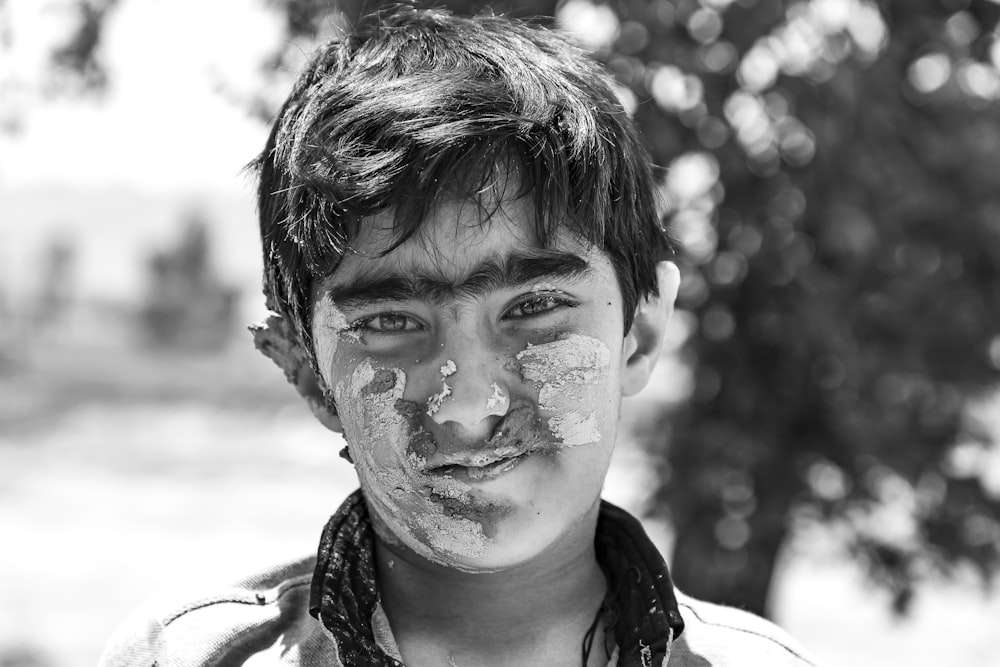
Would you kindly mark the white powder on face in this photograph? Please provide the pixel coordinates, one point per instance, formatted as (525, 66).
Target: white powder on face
(328, 320)
(573, 429)
(543, 287)
(451, 534)
(569, 373)
(366, 401)
(330, 326)
(435, 401)
(498, 399)
(379, 434)
(562, 367)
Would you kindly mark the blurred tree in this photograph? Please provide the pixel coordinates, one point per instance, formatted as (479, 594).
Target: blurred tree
(78, 59)
(834, 180)
(838, 198)
(54, 297)
(186, 306)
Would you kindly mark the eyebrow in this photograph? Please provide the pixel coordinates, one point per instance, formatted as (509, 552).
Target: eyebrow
(488, 276)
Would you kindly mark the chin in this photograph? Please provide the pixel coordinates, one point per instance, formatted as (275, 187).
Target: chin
(510, 550)
(533, 536)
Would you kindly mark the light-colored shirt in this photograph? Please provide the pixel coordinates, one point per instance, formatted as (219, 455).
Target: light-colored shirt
(265, 621)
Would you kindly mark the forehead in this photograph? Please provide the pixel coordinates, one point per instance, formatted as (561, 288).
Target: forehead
(454, 238)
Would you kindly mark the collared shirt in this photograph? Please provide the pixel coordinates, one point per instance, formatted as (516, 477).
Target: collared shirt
(325, 611)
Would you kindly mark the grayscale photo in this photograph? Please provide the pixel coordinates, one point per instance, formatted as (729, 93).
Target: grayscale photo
(553, 333)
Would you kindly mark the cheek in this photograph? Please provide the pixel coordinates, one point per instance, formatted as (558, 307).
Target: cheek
(373, 427)
(426, 515)
(573, 379)
(329, 326)
(382, 429)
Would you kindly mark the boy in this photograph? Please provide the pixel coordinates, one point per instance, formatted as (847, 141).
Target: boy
(467, 269)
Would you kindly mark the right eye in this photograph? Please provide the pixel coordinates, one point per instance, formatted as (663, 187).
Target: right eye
(387, 323)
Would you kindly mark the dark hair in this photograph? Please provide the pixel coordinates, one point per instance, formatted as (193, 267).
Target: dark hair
(413, 106)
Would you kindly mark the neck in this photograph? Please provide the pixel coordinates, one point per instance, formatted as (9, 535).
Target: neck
(553, 598)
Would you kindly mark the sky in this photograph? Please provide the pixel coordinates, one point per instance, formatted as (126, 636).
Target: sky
(114, 176)
(164, 126)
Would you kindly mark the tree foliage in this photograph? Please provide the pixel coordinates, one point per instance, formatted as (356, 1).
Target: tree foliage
(834, 179)
(842, 276)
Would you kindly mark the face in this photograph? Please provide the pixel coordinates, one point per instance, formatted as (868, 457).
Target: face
(478, 381)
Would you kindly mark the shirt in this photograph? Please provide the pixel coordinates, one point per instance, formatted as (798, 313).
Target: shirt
(324, 611)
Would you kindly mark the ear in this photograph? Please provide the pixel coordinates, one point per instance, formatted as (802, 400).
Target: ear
(277, 341)
(644, 340)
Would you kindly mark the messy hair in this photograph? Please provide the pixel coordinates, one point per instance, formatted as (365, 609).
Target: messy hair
(412, 107)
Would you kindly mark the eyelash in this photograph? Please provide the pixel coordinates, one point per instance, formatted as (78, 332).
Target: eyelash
(363, 325)
(557, 302)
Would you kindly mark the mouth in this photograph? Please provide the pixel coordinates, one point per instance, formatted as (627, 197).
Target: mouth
(484, 464)
(480, 473)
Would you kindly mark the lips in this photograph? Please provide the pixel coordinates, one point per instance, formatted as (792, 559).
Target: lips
(482, 458)
(481, 473)
(481, 464)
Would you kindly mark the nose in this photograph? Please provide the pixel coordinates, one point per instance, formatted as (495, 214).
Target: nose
(472, 392)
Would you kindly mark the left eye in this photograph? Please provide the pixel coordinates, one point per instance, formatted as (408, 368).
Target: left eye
(538, 305)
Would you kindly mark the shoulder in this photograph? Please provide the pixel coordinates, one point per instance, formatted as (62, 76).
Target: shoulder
(266, 614)
(719, 635)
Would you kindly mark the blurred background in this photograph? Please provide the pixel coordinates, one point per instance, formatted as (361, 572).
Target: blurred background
(820, 444)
